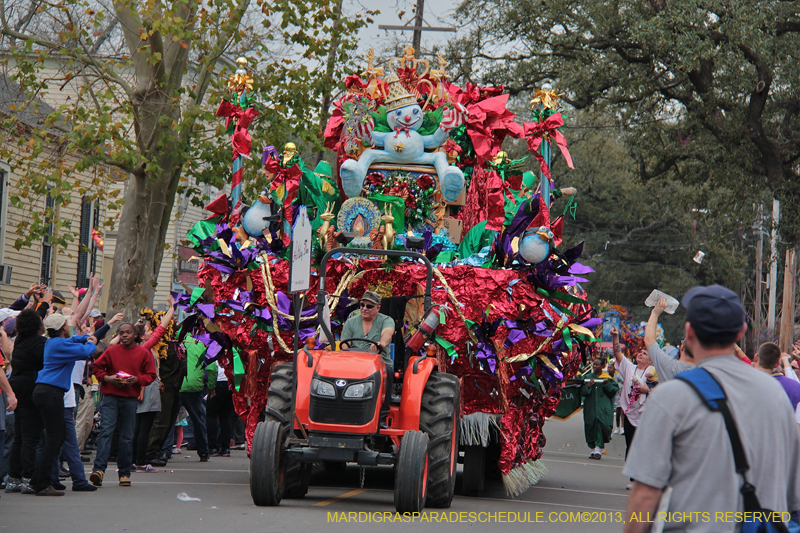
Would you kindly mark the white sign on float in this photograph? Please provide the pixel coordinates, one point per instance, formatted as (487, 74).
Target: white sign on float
(300, 271)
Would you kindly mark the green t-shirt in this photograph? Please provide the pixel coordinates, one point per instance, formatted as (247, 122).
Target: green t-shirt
(354, 328)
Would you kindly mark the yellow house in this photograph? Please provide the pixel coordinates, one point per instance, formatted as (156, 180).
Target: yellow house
(60, 268)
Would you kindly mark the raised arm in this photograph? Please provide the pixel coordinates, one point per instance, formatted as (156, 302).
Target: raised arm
(96, 287)
(618, 357)
(651, 329)
(162, 326)
(79, 306)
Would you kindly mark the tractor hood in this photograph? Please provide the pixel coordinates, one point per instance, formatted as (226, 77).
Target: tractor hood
(349, 365)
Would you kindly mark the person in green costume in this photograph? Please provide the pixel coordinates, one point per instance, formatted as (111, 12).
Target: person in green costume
(598, 407)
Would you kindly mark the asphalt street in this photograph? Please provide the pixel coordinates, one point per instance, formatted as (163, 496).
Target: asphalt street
(577, 493)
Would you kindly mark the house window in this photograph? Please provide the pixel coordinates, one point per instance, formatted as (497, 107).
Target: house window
(47, 248)
(87, 256)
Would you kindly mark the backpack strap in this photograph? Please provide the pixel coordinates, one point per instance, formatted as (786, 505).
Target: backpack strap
(713, 395)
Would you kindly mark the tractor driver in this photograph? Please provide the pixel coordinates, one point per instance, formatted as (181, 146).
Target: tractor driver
(376, 327)
(372, 325)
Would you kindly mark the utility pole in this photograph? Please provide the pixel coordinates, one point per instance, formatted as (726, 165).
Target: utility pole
(417, 27)
(773, 265)
(787, 311)
(757, 316)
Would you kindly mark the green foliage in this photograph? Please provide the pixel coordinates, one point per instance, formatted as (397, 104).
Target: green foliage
(145, 84)
(703, 88)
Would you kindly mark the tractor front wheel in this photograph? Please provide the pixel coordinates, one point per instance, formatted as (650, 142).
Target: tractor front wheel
(411, 474)
(266, 469)
(279, 409)
(439, 419)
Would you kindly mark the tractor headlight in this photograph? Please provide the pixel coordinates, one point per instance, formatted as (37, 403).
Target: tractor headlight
(322, 388)
(359, 390)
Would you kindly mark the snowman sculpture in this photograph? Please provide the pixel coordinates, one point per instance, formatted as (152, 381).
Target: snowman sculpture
(405, 145)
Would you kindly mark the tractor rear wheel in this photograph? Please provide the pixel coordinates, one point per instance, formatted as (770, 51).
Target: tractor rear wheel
(411, 473)
(474, 470)
(439, 419)
(279, 409)
(266, 471)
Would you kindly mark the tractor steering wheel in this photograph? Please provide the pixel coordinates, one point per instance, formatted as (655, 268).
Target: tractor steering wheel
(356, 339)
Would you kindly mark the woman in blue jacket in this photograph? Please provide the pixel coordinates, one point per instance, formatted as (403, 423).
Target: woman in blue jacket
(55, 378)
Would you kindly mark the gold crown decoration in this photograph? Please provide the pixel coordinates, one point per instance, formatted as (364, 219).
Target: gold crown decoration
(398, 95)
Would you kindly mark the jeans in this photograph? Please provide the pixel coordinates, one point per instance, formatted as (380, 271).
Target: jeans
(28, 431)
(71, 452)
(196, 406)
(8, 443)
(50, 402)
(220, 406)
(116, 408)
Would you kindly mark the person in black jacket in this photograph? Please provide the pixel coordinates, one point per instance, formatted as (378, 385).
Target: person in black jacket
(172, 370)
(28, 359)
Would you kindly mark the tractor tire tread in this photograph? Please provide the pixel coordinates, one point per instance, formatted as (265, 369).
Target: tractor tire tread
(440, 403)
(279, 408)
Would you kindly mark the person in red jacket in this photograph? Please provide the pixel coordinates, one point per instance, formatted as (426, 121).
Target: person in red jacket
(122, 371)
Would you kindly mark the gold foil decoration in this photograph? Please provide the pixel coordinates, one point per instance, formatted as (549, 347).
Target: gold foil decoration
(373, 73)
(546, 96)
(240, 80)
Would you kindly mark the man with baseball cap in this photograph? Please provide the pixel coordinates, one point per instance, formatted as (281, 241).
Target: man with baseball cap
(684, 445)
(378, 328)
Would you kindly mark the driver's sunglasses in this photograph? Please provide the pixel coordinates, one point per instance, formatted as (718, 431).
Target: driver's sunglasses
(367, 306)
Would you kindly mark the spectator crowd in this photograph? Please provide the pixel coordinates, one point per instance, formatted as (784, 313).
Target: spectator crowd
(70, 390)
(708, 431)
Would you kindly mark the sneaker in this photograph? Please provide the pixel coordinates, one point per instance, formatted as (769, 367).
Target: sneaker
(176, 450)
(238, 447)
(204, 458)
(14, 484)
(27, 488)
(83, 488)
(86, 452)
(225, 453)
(621, 431)
(146, 468)
(58, 486)
(124, 481)
(158, 462)
(96, 478)
(86, 459)
(50, 491)
(616, 431)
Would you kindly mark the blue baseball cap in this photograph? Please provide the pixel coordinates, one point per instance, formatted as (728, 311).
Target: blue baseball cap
(715, 313)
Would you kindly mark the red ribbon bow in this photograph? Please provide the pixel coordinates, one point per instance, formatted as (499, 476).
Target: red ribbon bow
(535, 131)
(244, 117)
(398, 129)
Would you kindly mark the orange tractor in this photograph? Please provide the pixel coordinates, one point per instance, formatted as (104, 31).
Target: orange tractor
(327, 406)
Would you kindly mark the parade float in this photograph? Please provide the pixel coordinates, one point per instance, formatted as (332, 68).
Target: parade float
(418, 166)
